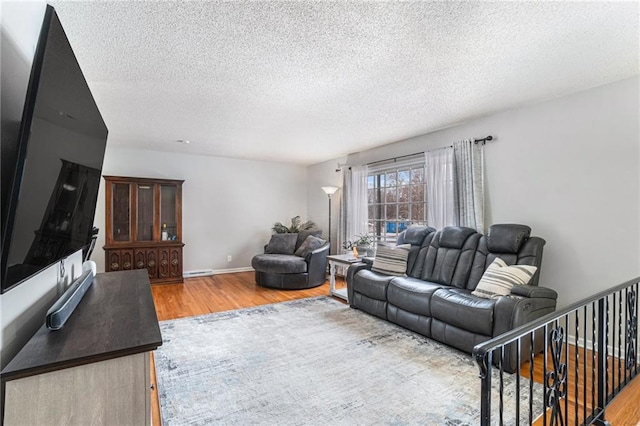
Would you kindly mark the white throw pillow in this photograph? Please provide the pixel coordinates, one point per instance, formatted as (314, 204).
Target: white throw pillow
(391, 260)
(499, 278)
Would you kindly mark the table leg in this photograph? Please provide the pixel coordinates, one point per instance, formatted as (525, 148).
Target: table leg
(342, 293)
(332, 277)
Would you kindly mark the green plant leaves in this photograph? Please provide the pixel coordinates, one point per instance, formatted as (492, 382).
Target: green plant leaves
(296, 226)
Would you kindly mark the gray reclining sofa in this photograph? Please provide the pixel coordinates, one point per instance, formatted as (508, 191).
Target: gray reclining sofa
(443, 268)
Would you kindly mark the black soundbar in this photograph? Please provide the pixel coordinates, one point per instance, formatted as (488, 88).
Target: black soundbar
(62, 309)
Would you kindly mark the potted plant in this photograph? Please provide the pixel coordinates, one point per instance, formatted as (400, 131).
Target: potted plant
(296, 226)
(363, 244)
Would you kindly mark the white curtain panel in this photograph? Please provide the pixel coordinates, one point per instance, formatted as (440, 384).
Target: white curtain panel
(355, 202)
(439, 169)
(469, 178)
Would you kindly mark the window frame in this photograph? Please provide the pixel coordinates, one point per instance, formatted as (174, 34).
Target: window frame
(383, 227)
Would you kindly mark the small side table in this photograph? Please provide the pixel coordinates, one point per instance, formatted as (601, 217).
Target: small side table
(338, 260)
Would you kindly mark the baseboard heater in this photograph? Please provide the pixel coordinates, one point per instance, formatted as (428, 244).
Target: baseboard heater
(198, 273)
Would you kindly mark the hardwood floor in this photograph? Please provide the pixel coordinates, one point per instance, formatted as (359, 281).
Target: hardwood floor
(199, 296)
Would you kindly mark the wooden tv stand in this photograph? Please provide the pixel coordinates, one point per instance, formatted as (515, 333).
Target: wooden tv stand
(95, 370)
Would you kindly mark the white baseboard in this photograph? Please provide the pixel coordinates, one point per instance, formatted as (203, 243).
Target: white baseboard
(611, 351)
(232, 270)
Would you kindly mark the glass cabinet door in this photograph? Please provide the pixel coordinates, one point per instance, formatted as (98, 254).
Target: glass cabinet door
(168, 220)
(121, 226)
(146, 210)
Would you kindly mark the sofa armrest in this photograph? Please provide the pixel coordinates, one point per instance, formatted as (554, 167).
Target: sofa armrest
(318, 251)
(513, 311)
(351, 273)
(534, 291)
(354, 268)
(317, 263)
(318, 256)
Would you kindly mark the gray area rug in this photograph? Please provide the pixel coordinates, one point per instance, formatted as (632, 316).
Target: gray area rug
(314, 362)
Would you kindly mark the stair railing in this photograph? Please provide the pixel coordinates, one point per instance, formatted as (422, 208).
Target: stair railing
(589, 353)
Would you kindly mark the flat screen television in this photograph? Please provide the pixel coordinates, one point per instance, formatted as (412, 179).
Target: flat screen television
(51, 162)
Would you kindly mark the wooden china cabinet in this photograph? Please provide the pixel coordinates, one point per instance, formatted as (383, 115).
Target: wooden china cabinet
(144, 227)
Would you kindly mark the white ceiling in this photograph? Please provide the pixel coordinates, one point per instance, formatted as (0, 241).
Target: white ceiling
(307, 81)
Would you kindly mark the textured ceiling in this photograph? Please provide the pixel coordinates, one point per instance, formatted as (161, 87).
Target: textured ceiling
(307, 81)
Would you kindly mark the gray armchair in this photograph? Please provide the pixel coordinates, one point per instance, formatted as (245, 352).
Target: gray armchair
(303, 267)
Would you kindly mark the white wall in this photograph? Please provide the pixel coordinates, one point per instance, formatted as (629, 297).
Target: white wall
(23, 308)
(228, 205)
(570, 169)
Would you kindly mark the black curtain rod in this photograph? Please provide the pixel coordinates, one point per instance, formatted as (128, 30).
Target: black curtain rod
(394, 159)
(483, 140)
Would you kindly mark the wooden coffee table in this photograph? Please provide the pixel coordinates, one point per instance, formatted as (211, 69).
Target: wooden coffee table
(344, 260)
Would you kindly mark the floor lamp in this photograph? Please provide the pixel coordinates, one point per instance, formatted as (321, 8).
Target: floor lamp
(329, 190)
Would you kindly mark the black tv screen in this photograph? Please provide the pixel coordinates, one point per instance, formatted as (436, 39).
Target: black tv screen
(54, 162)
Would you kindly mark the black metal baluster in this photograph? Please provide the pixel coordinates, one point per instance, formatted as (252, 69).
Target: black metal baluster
(626, 334)
(518, 348)
(501, 407)
(613, 348)
(556, 379)
(584, 367)
(576, 366)
(620, 356)
(531, 356)
(603, 319)
(566, 367)
(632, 332)
(635, 319)
(606, 351)
(544, 371)
(593, 358)
(485, 388)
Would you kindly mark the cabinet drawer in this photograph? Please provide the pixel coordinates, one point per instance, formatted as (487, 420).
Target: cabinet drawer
(119, 260)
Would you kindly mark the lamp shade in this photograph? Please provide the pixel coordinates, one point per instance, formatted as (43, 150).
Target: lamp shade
(330, 190)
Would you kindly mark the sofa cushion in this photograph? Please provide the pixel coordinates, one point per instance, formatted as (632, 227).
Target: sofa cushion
(302, 236)
(414, 253)
(464, 311)
(454, 236)
(391, 260)
(499, 278)
(412, 294)
(457, 337)
(371, 284)
(507, 238)
(281, 244)
(419, 323)
(310, 244)
(414, 234)
(449, 264)
(279, 263)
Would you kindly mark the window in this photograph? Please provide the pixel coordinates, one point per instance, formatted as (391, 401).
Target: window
(396, 199)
